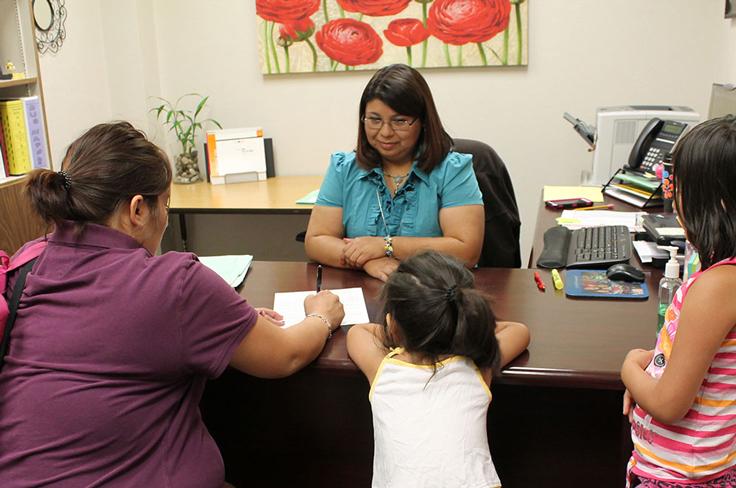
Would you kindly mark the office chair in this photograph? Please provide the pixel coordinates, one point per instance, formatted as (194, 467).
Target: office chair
(501, 240)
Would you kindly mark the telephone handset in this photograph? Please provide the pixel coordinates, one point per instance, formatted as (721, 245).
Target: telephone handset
(654, 143)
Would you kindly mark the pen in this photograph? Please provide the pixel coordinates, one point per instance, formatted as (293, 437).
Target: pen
(319, 278)
(557, 280)
(539, 282)
(608, 206)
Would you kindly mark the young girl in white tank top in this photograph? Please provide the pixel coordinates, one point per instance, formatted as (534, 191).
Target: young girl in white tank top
(430, 369)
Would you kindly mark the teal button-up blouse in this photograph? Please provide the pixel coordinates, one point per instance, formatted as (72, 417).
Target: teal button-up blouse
(413, 211)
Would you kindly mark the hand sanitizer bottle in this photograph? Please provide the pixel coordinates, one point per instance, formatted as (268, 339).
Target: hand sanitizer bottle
(668, 285)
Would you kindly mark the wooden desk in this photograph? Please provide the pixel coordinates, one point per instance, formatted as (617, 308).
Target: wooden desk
(556, 409)
(274, 196)
(18, 222)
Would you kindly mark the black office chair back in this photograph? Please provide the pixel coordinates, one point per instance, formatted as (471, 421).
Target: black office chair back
(503, 226)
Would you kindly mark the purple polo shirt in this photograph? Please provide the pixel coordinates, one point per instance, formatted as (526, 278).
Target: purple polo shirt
(108, 359)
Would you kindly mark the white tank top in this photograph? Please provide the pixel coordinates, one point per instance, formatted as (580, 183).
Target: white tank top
(431, 433)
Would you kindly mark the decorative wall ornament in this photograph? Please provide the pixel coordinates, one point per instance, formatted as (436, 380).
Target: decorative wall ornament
(331, 35)
(49, 17)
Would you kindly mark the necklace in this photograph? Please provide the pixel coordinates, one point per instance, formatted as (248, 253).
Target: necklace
(398, 180)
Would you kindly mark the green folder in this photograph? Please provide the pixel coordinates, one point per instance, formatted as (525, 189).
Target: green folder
(309, 199)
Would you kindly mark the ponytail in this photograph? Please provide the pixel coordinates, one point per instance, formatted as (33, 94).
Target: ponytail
(437, 311)
(103, 168)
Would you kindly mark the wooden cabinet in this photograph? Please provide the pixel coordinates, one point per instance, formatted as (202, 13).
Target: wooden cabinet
(18, 223)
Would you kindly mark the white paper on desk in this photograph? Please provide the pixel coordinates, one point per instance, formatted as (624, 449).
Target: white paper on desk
(232, 269)
(648, 250)
(576, 219)
(291, 305)
(592, 193)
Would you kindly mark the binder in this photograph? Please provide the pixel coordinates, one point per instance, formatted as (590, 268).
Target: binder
(236, 155)
(36, 133)
(634, 188)
(13, 119)
(4, 170)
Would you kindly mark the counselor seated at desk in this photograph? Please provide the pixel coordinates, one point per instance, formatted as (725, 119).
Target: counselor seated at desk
(402, 190)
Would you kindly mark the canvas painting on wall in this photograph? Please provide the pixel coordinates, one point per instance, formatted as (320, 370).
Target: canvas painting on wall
(298, 36)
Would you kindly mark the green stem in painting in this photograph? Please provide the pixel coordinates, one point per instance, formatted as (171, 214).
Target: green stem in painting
(408, 54)
(496, 54)
(314, 55)
(424, 43)
(335, 64)
(324, 10)
(459, 55)
(360, 18)
(342, 12)
(482, 54)
(286, 56)
(447, 55)
(273, 47)
(265, 46)
(519, 33)
(505, 59)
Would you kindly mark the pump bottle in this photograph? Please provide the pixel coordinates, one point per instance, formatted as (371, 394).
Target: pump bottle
(668, 285)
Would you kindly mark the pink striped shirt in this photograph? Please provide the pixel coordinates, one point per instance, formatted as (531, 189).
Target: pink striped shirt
(702, 445)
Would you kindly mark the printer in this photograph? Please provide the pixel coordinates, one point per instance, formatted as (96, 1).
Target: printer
(618, 128)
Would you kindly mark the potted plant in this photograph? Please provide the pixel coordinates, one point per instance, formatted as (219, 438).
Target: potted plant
(184, 124)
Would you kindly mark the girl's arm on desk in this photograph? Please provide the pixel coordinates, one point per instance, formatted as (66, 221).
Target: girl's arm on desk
(366, 349)
(513, 339)
(270, 351)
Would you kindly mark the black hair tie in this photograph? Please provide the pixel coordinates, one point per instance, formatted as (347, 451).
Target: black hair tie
(451, 294)
(67, 179)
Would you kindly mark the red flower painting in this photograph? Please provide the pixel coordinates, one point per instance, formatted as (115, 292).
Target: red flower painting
(459, 22)
(284, 11)
(406, 32)
(298, 30)
(350, 42)
(374, 8)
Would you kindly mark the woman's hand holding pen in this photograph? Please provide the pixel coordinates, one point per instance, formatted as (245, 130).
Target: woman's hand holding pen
(360, 250)
(328, 305)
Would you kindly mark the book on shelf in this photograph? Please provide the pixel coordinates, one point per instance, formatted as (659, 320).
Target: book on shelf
(23, 125)
(636, 189)
(36, 132)
(13, 119)
(4, 170)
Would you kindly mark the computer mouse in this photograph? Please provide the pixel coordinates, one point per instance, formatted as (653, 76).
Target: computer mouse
(624, 272)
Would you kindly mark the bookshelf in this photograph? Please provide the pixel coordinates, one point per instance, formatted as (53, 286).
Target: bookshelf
(18, 224)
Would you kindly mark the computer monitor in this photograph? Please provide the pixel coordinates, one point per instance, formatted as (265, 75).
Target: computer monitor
(722, 100)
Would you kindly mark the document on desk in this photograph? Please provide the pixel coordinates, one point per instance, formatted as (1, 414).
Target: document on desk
(592, 193)
(575, 219)
(291, 306)
(232, 269)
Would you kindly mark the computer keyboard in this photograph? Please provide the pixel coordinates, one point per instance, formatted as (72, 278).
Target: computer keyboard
(589, 247)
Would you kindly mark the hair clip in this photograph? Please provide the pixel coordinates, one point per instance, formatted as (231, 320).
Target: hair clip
(451, 294)
(67, 179)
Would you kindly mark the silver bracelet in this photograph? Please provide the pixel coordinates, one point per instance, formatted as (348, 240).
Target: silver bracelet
(323, 319)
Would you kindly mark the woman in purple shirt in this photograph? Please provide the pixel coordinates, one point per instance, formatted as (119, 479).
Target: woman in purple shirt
(112, 345)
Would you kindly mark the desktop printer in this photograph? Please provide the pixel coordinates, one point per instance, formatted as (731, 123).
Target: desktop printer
(618, 128)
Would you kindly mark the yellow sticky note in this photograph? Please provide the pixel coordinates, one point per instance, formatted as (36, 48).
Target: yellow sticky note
(592, 193)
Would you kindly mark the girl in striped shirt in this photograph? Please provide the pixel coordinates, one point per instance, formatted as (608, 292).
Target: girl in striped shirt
(681, 396)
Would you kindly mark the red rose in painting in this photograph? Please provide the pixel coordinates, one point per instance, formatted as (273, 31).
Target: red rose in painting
(459, 22)
(374, 8)
(406, 32)
(350, 42)
(284, 11)
(297, 30)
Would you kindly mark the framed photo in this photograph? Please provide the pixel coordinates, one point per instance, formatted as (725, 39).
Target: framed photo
(730, 9)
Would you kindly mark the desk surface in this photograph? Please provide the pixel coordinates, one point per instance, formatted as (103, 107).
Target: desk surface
(578, 343)
(274, 195)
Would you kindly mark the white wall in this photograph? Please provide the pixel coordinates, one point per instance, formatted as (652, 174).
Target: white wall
(582, 54)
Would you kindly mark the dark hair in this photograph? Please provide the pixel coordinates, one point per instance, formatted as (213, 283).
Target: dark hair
(106, 166)
(433, 302)
(404, 90)
(705, 192)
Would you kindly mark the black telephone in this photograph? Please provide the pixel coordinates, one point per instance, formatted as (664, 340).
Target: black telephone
(654, 143)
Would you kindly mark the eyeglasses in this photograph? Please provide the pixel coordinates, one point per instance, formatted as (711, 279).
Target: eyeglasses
(398, 124)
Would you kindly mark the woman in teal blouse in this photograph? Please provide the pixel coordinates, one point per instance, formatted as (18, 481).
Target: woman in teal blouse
(402, 190)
